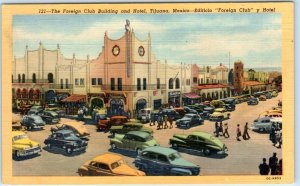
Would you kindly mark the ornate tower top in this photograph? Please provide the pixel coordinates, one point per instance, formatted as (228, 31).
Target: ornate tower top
(127, 26)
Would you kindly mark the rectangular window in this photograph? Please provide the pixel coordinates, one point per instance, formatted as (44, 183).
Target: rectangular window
(202, 81)
(99, 81)
(112, 83)
(93, 81)
(195, 80)
(119, 84)
(67, 83)
(138, 83)
(144, 84)
(158, 83)
(61, 83)
(76, 81)
(81, 81)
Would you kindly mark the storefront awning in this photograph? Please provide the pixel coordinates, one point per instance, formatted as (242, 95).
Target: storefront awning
(75, 98)
(191, 95)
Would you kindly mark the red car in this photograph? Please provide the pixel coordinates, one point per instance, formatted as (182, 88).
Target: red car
(104, 125)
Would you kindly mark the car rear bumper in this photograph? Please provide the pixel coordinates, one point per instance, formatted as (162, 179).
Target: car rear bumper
(31, 151)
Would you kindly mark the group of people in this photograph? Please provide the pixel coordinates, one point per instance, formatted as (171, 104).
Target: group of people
(274, 166)
(276, 135)
(221, 130)
(82, 111)
(162, 121)
(245, 135)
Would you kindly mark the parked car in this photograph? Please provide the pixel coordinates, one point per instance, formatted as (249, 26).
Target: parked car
(189, 120)
(268, 95)
(66, 140)
(108, 164)
(130, 126)
(199, 141)
(145, 115)
(185, 110)
(274, 115)
(264, 124)
(50, 117)
(24, 109)
(253, 101)
(37, 110)
(16, 125)
(229, 107)
(220, 114)
(23, 146)
(133, 141)
(55, 107)
(171, 113)
(31, 122)
(274, 93)
(77, 127)
(262, 98)
(104, 125)
(197, 108)
(163, 161)
(205, 114)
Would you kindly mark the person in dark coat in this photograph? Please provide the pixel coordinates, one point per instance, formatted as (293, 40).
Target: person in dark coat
(225, 133)
(238, 132)
(170, 119)
(279, 169)
(160, 121)
(273, 163)
(273, 133)
(216, 129)
(245, 133)
(221, 128)
(264, 168)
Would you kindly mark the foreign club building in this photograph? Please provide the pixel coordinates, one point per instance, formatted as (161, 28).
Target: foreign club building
(125, 76)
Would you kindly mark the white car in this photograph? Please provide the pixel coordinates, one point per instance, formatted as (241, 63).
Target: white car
(264, 124)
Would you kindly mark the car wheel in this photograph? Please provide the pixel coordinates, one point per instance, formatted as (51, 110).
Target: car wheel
(138, 151)
(206, 151)
(174, 146)
(113, 146)
(69, 150)
(188, 125)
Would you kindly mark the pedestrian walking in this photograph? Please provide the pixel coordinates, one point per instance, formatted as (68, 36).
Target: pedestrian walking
(170, 119)
(245, 133)
(238, 132)
(264, 168)
(225, 133)
(278, 139)
(216, 129)
(279, 169)
(221, 129)
(166, 121)
(160, 122)
(273, 163)
(273, 132)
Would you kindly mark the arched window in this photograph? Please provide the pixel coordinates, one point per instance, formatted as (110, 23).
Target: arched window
(171, 83)
(23, 78)
(19, 78)
(33, 78)
(177, 83)
(50, 78)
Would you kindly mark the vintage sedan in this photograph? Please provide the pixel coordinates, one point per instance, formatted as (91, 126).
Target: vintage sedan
(262, 98)
(77, 127)
(130, 126)
(133, 141)
(108, 164)
(23, 146)
(264, 124)
(16, 125)
(163, 161)
(50, 117)
(55, 107)
(189, 120)
(66, 140)
(104, 125)
(36, 109)
(199, 141)
(220, 114)
(253, 101)
(31, 122)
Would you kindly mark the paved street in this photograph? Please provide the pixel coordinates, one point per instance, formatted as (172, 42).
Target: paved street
(243, 157)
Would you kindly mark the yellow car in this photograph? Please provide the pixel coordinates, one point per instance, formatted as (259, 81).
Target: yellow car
(108, 164)
(23, 146)
(219, 114)
(262, 98)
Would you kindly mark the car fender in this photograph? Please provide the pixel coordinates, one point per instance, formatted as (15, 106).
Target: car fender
(177, 140)
(180, 171)
(116, 141)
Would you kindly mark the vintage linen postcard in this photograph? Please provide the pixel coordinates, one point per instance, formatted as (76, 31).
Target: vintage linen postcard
(166, 92)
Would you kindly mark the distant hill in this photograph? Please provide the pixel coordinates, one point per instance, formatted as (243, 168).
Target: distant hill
(266, 69)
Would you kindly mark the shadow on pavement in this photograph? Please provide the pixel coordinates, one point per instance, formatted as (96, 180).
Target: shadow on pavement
(55, 150)
(26, 157)
(131, 154)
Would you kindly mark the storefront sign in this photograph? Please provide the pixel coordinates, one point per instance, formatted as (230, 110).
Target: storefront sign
(174, 94)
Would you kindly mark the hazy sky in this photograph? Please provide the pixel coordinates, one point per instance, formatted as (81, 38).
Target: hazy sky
(204, 39)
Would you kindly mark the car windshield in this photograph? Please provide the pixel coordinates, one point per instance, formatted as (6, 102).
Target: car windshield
(174, 156)
(117, 164)
(15, 138)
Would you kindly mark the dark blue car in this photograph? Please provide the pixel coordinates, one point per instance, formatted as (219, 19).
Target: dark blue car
(163, 161)
(189, 120)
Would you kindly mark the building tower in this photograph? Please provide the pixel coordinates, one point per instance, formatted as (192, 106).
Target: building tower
(238, 76)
